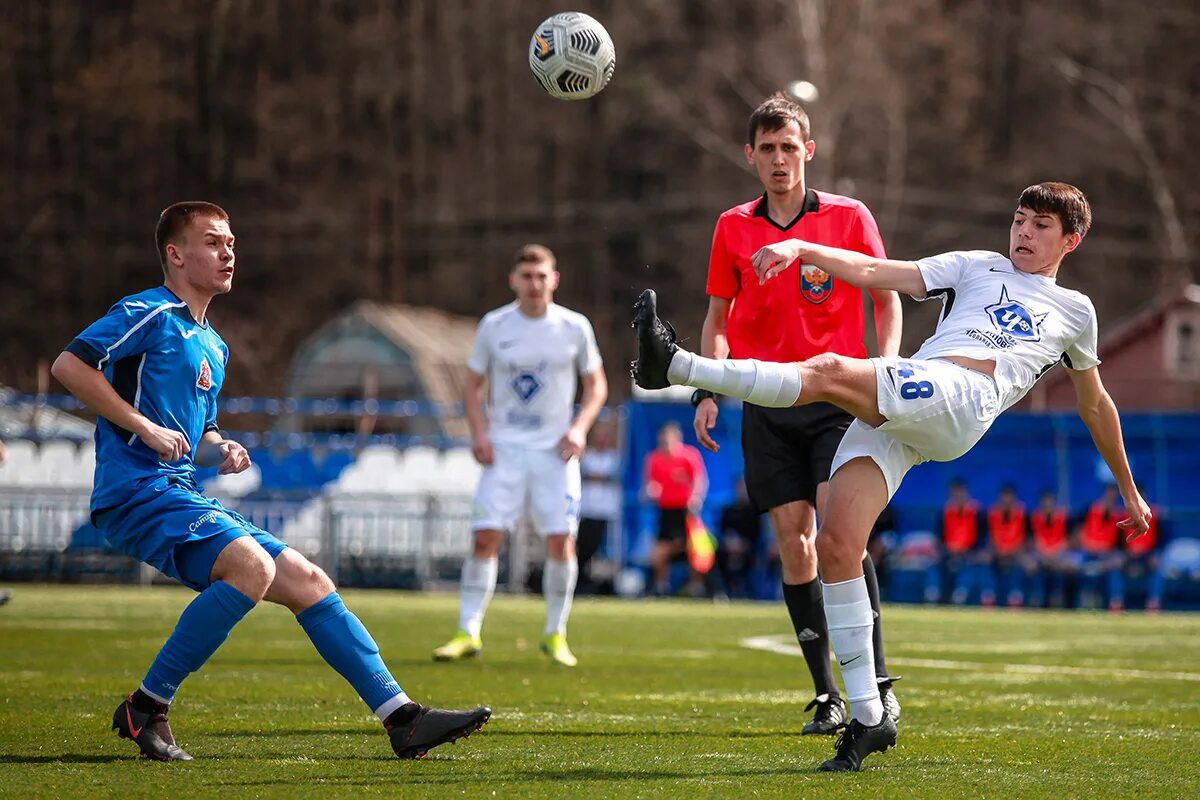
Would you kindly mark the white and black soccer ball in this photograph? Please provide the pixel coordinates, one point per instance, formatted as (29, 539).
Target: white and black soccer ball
(572, 56)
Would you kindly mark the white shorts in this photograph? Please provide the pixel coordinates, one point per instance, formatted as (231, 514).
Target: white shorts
(524, 481)
(935, 411)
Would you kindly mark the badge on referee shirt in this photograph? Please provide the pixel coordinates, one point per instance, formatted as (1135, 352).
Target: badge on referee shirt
(815, 284)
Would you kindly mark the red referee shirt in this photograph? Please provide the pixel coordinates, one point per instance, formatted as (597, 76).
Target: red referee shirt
(675, 474)
(804, 311)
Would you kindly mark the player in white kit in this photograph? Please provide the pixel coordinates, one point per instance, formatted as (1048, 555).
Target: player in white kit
(532, 354)
(1004, 323)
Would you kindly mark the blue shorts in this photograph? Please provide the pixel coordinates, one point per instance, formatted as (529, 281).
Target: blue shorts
(174, 528)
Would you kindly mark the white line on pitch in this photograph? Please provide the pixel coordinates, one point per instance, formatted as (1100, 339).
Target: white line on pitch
(771, 644)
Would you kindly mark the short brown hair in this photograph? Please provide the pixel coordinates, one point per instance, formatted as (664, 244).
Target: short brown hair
(534, 254)
(1064, 201)
(774, 113)
(176, 217)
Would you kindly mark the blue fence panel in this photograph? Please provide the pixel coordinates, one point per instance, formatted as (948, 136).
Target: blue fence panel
(1033, 452)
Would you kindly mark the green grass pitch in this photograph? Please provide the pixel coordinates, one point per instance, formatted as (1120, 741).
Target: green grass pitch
(668, 701)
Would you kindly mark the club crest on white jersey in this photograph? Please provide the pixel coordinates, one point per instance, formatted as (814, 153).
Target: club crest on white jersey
(532, 366)
(1014, 319)
(1023, 322)
(526, 384)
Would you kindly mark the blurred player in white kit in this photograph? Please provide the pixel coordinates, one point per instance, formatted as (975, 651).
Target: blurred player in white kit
(532, 354)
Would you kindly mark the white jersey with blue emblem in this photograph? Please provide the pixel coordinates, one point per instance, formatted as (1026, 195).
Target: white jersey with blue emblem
(992, 311)
(532, 366)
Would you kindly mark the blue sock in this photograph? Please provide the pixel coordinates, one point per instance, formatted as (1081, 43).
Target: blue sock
(345, 644)
(204, 624)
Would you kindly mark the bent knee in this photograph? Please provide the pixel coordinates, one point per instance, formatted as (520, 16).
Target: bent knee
(317, 580)
(487, 544)
(252, 574)
(299, 582)
(799, 544)
(820, 373)
(835, 546)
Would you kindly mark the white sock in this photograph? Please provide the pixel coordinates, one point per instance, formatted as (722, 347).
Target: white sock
(478, 586)
(763, 383)
(558, 584)
(851, 625)
(385, 710)
(152, 695)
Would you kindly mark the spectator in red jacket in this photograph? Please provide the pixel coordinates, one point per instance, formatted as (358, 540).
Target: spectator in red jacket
(960, 547)
(1100, 557)
(1006, 549)
(1141, 563)
(1049, 530)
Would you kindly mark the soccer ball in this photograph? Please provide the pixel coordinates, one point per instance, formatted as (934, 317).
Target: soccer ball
(572, 56)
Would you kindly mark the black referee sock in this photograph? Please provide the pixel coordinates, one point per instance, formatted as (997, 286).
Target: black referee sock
(877, 636)
(807, 609)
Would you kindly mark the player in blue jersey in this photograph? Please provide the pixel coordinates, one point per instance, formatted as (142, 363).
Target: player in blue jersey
(151, 369)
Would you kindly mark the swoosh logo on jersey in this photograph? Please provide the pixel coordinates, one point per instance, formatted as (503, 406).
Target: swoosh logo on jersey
(506, 345)
(1001, 271)
(136, 304)
(190, 334)
(849, 661)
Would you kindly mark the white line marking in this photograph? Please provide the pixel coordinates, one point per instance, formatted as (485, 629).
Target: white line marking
(772, 644)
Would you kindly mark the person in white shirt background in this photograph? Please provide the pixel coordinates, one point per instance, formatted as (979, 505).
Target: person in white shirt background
(600, 507)
(532, 355)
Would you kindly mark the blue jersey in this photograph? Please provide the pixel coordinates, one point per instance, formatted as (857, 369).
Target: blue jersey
(167, 366)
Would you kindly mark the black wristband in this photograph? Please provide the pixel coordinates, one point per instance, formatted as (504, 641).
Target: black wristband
(700, 395)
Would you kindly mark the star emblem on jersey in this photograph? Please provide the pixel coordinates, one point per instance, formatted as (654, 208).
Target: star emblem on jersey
(204, 381)
(526, 384)
(1014, 319)
(816, 285)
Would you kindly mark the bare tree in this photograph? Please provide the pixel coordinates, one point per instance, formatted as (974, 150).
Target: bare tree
(1118, 105)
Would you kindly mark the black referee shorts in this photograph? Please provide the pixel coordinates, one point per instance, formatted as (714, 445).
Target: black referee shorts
(788, 451)
(672, 525)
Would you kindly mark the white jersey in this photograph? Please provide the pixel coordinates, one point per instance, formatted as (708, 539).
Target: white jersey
(992, 311)
(532, 366)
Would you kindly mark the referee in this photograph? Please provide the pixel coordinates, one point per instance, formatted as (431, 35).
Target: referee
(788, 451)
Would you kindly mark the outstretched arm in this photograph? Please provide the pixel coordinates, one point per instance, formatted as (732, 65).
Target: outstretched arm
(855, 268)
(1099, 413)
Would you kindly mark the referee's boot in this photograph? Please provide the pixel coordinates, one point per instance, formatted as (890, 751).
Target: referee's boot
(829, 717)
(146, 724)
(857, 741)
(415, 729)
(887, 696)
(656, 344)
